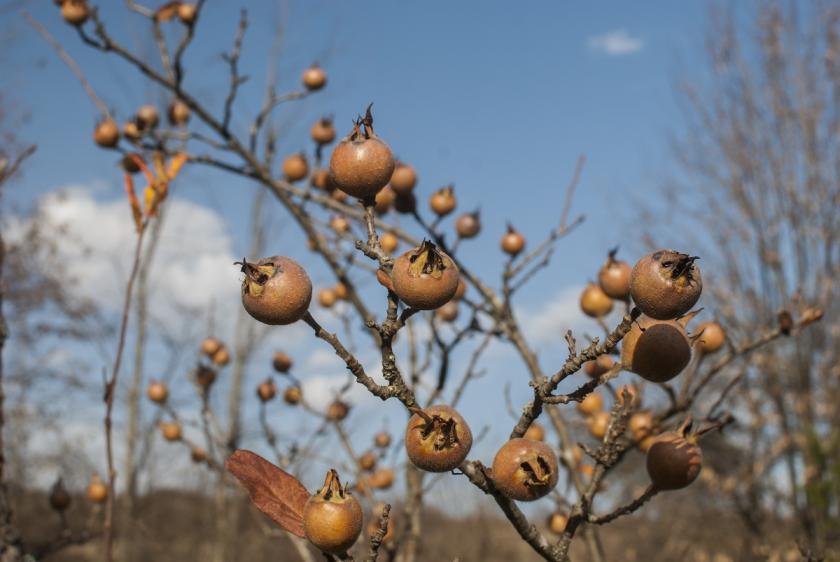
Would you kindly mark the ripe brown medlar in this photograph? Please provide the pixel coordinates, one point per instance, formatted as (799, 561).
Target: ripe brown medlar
(275, 290)
(384, 200)
(295, 167)
(709, 338)
(75, 12)
(382, 439)
(221, 357)
(362, 163)
(178, 113)
(106, 134)
(323, 131)
(198, 455)
(97, 490)
(674, 460)
(157, 392)
(595, 302)
(314, 78)
(403, 179)
(442, 202)
(405, 204)
(332, 517)
(512, 242)
(598, 423)
(437, 439)
(525, 470)
(205, 376)
(382, 479)
(337, 410)
(281, 362)
(129, 164)
(368, 460)
(59, 496)
(187, 13)
(211, 346)
(641, 425)
(425, 278)
(448, 312)
(266, 390)
(614, 277)
(591, 404)
(131, 131)
(535, 432)
(665, 284)
(171, 431)
(557, 523)
(341, 292)
(147, 117)
(598, 366)
(340, 224)
(468, 225)
(656, 350)
(327, 297)
(292, 395)
(389, 242)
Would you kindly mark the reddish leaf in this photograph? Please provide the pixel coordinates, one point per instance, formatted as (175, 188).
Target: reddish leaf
(275, 492)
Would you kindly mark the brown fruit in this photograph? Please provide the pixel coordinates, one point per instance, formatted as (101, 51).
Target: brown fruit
(97, 490)
(295, 167)
(557, 523)
(147, 117)
(362, 163)
(211, 346)
(197, 454)
(437, 439)
(598, 366)
(157, 392)
(389, 242)
(314, 78)
(425, 278)
(131, 131)
(382, 479)
(205, 376)
(323, 131)
(665, 284)
(281, 362)
(292, 395)
(129, 164)
(59, 496)
(187, 13)
(384, 279)
(382, 439)
(337, 410)
(405, 204)
(512, 242)
(614, 278)
(535, 432)
(656, 350)
(525, 470)
(107, 134)
(340, 224)
(338, 195)
(448, 312)
(384, 200)
(591, 404)
(442, 202)
(178, 113)
(276, 290)
(673, 461)
(320, 179)
(75, 12)
(341, 292)
(332, 517)
(646, 443)
(403, 179)
(368, 460)
(266, 390)
(468, 225)
(710, 337)
(641, 425)
(460, 291)
(221, 358)
(327, 297)
(171, 431)
(598, 424)
(595, 302)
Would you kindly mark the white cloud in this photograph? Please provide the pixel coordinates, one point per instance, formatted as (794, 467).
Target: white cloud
(561, 312)
(615, 43)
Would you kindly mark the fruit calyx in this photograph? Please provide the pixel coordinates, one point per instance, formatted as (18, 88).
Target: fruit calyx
(680, 266)
(442, 432)
(257, 275)
(538, 471)
(332, 489)
(363, 127)
(427, 260)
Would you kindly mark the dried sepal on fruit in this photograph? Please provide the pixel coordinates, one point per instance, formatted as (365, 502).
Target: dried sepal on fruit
(614, 277)
(275, 290)
(666, 284)
(437, 439)
(273, 491)
(525, 470)
(656, 350)
(425, 278)
(674, 459)
(361, 164)
(332, 517)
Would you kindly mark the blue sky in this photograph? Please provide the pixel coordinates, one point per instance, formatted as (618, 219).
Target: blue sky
(497, 98)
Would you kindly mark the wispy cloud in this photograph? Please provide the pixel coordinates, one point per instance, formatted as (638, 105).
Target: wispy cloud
(615, 43)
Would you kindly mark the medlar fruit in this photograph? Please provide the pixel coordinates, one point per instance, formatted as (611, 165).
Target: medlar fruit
(425, 278)
(332, 517)
(361, 164)
(656, 350)
(276, 290)
(525, 470)
(665, 284)
(437, 439)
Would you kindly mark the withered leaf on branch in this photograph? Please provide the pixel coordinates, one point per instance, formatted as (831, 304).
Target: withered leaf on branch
(274, 491)
(167, 11)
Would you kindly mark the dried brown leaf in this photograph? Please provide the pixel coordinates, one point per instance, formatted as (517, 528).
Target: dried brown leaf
(275, 492)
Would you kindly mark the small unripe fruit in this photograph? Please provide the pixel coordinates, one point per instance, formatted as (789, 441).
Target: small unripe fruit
(295, 167)
(591, 404)
(211, 346)
(656, 350)
(198, 455)
(362, 163)
(525, 470)
(665, 284)
(97, 490)
(157, 392)
(59, 496)
(710, 337)
(337, 410)
(332, 517)
(448, 312)
(614, 278)
(598, 366)
(327, 297)
(187, 13)
(389, 242)
(368, 460)
(171, 431)
(442, 201)
(382, 439)
(425, 278)
(323, 131)
(75, 12)
(314, 78)
(178, 113)
(147, 117)
(594, 302)
(107, 134)
(437, 439)
(403, 179)
(673, 461)
(292, 395)
(221, 358)
(266, 390)
(468, 225)
(384, 200)
(281, 362)
(598, 424)
(557, 523)
(512, 242)
(535, 432)
(276, 290)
